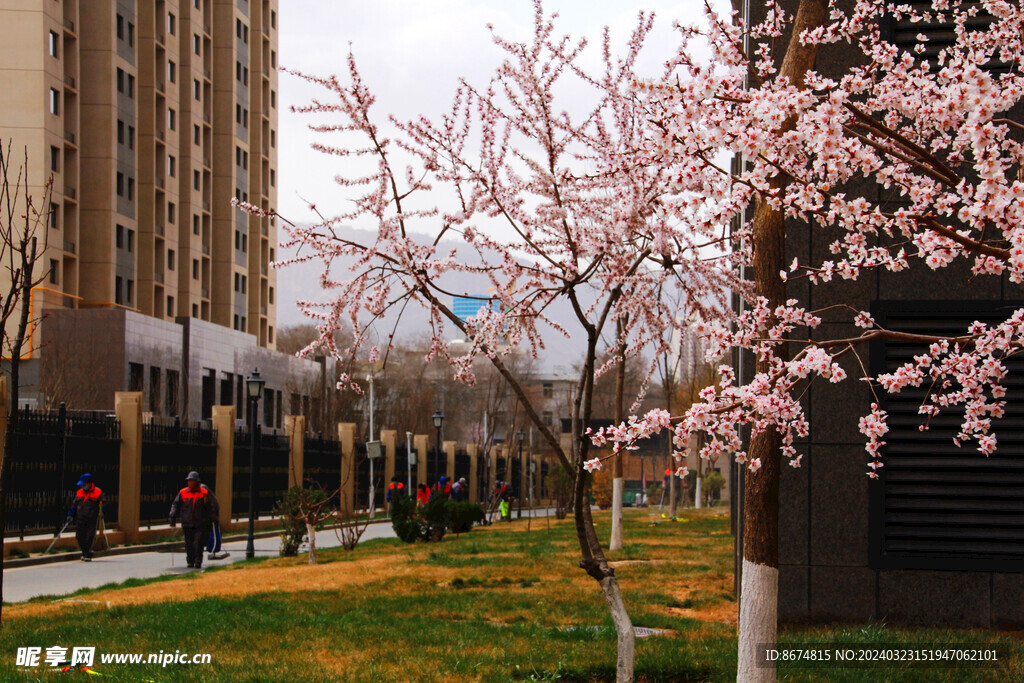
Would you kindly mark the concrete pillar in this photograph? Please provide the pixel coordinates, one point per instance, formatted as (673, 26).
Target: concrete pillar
(422, 445)
(449, 449)
(474, 483)
(389, 440)
(224, 489)
(295, 428)
(128, 408)
(347, 437)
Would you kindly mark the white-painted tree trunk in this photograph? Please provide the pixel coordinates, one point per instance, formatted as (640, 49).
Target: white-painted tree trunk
(623, 628)
(311, 532)
(758, 621)
(618, 486)
(698, 501)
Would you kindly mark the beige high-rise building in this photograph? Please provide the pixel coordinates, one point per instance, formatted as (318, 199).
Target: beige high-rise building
(151, 116)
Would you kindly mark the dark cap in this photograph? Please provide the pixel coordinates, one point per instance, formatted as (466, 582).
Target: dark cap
(192, 476)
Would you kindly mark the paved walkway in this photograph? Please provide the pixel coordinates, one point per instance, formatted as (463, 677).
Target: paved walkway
(61, 578)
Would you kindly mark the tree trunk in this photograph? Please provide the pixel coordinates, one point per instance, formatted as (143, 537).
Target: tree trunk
(623, 629)
(311, 532)
(760, 584)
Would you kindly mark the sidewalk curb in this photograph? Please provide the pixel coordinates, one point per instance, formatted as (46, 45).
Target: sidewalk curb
(134, 549)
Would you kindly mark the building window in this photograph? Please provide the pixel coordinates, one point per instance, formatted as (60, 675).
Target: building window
(549, 389)
(170, 306)
(120, 184)
(55, 44)
(120, 27)
(234, 322)
(195, 180)
(273, 59)
(195, 224)
(55, 159)
(131, 137)
(273, 99)
(195, 43)
(238, 71)
(120, 132)
(196, 134)
(245, 243)
(135, 375)
(273, 138)
(119, 236)
(131, 34)
(273, 19)
(270, 335)
(117, 297)
(172, 213)
(195, 269)
(172, 119)
(195, 89)
(172, 71)
(245, 117)
(245, 75)
(273, 178)
(154, 390)
(238, 240)
(131, 240)
(55, 101)
(171, 164)
(243, 284)
(53, 272)
(54, 221)
(547, 417)
(270, 295)
(131, 189)
(170, 259)
(131, 86)
(170, 23)
(129, 292)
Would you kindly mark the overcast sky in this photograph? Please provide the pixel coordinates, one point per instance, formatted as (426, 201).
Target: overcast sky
(412, 53)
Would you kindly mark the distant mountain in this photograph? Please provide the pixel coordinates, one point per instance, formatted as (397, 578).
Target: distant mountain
(302, 282)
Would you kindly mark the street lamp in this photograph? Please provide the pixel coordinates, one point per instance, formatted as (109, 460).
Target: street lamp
(438, 421)
(254, 386)
(520, 435)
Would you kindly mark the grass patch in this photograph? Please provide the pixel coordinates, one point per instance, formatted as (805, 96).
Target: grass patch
(497, 604)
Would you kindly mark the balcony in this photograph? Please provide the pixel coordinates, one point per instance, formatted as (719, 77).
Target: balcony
(70, 192)
(263, 309)
(69, 246)
(69, 25)
(158, 277)
(159, 229)
(69, 136)
(206, 162)
(206, 117)
(160, 135)
(206, 205)
(160, 87)
(69, 81)
(206, 250)
(204, 293)
(159, 182)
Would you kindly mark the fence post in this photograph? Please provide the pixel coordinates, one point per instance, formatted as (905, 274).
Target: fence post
(420, 443)
(295, 428)
(128, 408)
(224, 486)
(389, 439)
(474, 486)
(347, 437)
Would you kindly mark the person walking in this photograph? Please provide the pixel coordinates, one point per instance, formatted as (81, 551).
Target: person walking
(442, 488)
(86, 513)
(199, 511)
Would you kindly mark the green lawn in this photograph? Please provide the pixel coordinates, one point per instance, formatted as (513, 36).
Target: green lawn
(497, 604)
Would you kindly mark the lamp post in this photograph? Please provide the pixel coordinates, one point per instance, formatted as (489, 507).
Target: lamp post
(520, 435)
(438, 421)
(408, 462)
(254, 386)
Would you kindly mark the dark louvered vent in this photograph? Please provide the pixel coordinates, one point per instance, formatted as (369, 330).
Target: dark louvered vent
(903, 32)
(937, 506)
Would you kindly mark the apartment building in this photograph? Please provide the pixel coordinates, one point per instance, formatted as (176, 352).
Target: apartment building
(150, 117)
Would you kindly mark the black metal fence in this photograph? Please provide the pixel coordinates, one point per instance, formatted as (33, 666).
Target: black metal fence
(322, 463)
(169, 453)
(49, 450)
(462, 465)
(403, 469)
(437, 465)
(271, 473)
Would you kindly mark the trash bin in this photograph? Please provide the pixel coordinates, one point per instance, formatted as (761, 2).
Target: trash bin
(639, 499)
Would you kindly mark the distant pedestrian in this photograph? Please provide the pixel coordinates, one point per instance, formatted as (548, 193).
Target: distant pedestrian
(460, 490)
(503, 492)
(422, 494)
(199, 510)
(442, 488)
(86, 512)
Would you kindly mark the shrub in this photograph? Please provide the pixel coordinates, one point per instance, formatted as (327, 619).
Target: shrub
(560, 484)
(290, 508)
(431, 521)
(602, 488)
